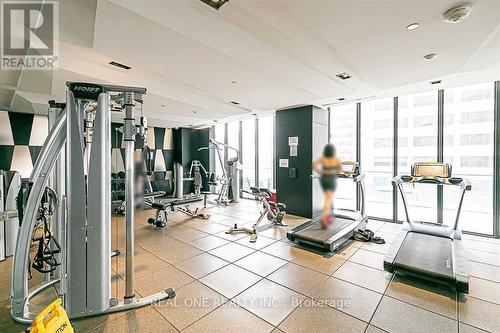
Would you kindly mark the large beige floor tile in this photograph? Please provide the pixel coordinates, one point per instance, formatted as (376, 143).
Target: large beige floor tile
(464, 328)
(261, 263)
(230, 280)
(311, 318)
(396, 316)
(209, 243)
(390, 228)
(275, 233)
(318, 262)
(176, 251)
(144, 319)
(368, 258)
(211, 227)
(7, 324)
(186, 234)
(168, 277)
(480, 313)
(261, 242)
(269, 301)
(432, 297)
(484, 289)
(349, 298)
(231, 252)
(230, 318)
(484, 271)
(484, 257)
(193, 301)
(374, 329)
(364, 276)
(145, 262)
(201, 265)
(283, 250)
(379, 248)
(298, 278)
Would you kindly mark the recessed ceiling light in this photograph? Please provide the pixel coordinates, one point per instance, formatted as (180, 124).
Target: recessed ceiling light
(234, 82)
(436, 82)
(430, 56)
(343, 76)
(412, 26)
(215, 3)
(122, 66)
(195, 112)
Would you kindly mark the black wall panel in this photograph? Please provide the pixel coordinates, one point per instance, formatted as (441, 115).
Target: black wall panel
(21, 124)
(310, 124)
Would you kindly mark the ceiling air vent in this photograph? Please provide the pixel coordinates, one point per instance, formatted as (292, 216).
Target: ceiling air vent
(117, 64)
(343, 76)
(215, 3)
(457, 14)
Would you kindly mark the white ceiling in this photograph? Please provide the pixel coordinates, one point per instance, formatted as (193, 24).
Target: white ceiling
(279, 53)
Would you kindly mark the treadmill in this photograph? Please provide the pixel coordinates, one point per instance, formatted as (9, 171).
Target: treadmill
(430, 251)
(347, 221)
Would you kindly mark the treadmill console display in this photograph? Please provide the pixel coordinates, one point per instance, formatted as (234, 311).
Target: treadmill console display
(350, 168)
(431, 170)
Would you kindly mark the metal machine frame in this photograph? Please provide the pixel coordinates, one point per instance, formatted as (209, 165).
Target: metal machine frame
(452, 235)
(230, 176)
(76, 159)
(271, 210)
(348, 220)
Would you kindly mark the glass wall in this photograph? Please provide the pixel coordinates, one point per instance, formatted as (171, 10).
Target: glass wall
(343, 136)
(219, 136)
(469, 122)
(468, 144)
(266, 152)
(233, 138)
(417, 142)
(248, 153)
(377, 121)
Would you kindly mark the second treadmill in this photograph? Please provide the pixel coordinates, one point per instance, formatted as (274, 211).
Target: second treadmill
(347, 221)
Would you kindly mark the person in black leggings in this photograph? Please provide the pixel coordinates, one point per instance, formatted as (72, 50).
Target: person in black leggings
(327, 167)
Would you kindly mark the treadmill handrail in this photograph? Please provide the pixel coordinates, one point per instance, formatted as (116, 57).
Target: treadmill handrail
(465, 185)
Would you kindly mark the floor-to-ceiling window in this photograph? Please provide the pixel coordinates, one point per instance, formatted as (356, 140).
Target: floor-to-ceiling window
(343, 137)
(233, 138)
(469, 124)
(417, 142)
(377, 121)
(248, 153)
(219, 136)
(266, 151)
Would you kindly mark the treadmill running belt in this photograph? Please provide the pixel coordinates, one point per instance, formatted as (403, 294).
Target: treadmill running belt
(426, 254)
(316, 233)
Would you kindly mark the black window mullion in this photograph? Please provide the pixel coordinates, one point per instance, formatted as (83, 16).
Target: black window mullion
(440, 150)
(256, 152)
(395, 158)
(358, 151)
(496, 159)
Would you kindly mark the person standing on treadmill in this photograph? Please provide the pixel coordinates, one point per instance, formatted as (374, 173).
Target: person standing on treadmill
(327, 167)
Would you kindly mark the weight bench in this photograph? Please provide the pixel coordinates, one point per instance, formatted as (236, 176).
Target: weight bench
(160, 219)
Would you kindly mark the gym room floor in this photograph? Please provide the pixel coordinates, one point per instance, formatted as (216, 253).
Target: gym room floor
(226, 284)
